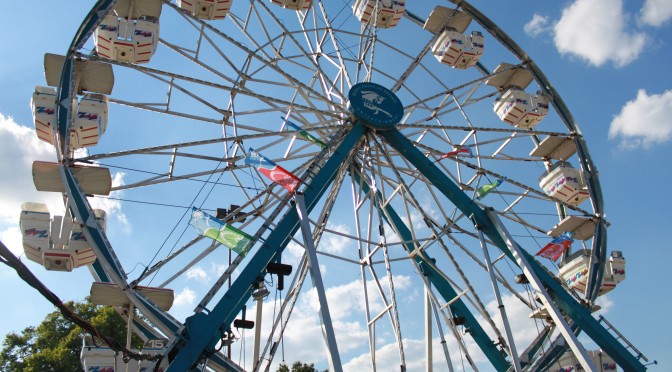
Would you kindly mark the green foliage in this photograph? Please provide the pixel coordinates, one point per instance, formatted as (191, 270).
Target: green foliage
(55, 344)
(298, 367)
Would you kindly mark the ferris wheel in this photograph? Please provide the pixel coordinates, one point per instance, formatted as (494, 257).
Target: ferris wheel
(404, 170)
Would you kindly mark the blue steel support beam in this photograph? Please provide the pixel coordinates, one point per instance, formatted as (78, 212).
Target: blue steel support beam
(578, 313)
(202, 331)
(101, 275)
(458, 307)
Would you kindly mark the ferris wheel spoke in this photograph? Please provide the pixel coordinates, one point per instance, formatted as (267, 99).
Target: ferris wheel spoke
(157, 266)
(169, 78)
(480, 306)
(500, 277)
(443, 287)
(309, 55)
(343, 72)
(530, 189)
(268, 62)
(181, 145)
(446, 95)
(415, 63)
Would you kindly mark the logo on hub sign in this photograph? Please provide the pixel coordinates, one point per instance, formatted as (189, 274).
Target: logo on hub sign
(375, 105)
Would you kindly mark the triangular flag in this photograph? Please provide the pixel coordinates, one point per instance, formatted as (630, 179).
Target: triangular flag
(273, 171)
(463, 150)
(209, 226)
(557, 246)
(485, 189)
(305, 134)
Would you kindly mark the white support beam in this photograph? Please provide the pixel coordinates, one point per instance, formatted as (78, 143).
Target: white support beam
(559, 320)
(429, 358)
(313, 266)
(500, 304)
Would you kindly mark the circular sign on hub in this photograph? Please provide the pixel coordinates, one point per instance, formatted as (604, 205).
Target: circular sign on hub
(375, 106)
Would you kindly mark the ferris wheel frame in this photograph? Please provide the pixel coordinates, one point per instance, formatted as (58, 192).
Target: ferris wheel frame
(200, 332)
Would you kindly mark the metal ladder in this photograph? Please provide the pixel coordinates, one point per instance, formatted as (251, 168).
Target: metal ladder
(628, 345)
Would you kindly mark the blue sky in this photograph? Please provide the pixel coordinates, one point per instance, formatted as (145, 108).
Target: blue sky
(609, 59)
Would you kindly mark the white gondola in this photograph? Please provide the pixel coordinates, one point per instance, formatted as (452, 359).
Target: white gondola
(90, 122)
(57, 243)
(453, 47)
(127, 40)
(43, 106)
(388, 12)
(206, 9)
(90, 119)
(565, 183)
(82, 252)
(35, 223)
(100, 358)
(582, 227)
(293, 4)
(109, 294)
(89, 114)
(574, 272)
(458, 50)
(521, 109)
(91, 76)
(130, 33)
(97, 357)
(555, 147)
(515, 106)
(92, 180)
(58, 257)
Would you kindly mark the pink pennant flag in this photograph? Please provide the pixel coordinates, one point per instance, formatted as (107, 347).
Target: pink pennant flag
(274, 172)
(463, 150)
(557, 246)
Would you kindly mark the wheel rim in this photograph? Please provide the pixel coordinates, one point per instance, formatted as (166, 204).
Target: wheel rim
(280, 72)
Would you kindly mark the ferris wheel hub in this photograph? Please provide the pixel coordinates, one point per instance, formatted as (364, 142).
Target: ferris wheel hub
(375, 106)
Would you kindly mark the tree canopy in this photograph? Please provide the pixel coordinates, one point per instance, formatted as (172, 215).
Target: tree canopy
(298, 367)
(55, 344)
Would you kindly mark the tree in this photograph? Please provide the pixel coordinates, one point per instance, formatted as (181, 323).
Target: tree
(55, 344)
(298, 367)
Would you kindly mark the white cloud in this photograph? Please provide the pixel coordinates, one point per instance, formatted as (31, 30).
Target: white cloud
(348, 298)
(416, 224)
(523, 327)
(218, 269)
(294, 252)
(186, 297)
(11, 238)
(537, 25)
(333, 243)
(197, 273)
(656, 12)
(330, 243)
(605, 303)
(644, 121)
(19, 147)
(387, 357)
(594, 30)
(303, 339)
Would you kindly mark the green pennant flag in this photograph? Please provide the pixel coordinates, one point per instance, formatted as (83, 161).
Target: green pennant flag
(485, 189)
(305, 134)
(232, 238)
